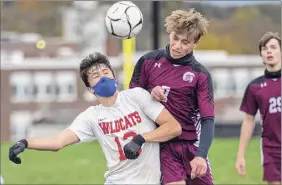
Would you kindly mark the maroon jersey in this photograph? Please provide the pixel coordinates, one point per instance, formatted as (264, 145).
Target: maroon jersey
(187, 84)
(264, 94)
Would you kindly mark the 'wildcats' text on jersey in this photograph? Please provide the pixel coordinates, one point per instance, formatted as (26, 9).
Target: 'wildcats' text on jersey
(133, 113)
(121, 124)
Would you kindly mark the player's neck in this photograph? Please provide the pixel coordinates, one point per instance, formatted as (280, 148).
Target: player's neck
(108, 102)
(273, 68)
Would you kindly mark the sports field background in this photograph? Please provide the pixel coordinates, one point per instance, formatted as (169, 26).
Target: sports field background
(85, 164)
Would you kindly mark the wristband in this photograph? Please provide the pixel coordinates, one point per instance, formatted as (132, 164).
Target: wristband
(24, 141)
(139, 140)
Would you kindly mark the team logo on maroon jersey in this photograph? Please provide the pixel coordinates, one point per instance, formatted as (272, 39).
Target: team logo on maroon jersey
(263, 84)
(188, 77)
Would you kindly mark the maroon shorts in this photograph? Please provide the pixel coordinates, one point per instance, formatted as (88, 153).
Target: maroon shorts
(175, 164)
(271, 166)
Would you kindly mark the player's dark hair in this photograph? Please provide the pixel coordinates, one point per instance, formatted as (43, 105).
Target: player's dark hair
(93, 59)
(267, 37)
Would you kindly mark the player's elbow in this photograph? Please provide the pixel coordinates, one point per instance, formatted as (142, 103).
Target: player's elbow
(176, 129)
(58, 145)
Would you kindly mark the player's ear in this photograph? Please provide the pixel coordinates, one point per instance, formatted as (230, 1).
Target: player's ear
(196, 43)
(194, 46)
(90, 90)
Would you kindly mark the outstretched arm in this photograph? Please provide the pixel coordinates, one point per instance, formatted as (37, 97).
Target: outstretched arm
(80, 130)
(54, 143)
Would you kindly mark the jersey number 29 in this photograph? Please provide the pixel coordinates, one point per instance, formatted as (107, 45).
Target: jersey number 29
(275, 105)
(125, 137)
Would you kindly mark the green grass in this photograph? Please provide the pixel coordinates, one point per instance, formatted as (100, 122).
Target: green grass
(85, 164)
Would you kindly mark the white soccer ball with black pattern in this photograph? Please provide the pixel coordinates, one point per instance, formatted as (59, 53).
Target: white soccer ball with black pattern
(124, 20)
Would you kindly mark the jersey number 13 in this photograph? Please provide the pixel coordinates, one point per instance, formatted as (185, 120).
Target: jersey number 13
(120, 149)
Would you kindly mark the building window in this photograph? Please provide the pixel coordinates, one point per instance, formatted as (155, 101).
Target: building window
(66, 87)
(241, 79)
(44, 86)
(20, 125)
(222, 83)
(21, 87)
(257, 72)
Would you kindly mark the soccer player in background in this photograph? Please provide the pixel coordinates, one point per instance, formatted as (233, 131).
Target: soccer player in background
(264, 94)
(118, 118)
(174, 77)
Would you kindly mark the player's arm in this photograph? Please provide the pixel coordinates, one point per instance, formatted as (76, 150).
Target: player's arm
(249, 106)
(247, 130)
(169, 128)
(53, 143)
(80, 130)
(138, 78)
(206, 108)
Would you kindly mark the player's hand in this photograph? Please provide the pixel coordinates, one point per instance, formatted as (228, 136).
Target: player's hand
(158, 93)
(241, 166)
(16, 149)
(199, 167)
(133, 148)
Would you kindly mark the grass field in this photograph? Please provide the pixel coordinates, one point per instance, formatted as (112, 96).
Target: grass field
(85, 164)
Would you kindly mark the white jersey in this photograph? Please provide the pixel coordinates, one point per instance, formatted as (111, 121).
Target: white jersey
(133, 113)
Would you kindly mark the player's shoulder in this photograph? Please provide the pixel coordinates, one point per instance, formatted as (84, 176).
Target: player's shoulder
(136, 94)
(154, 54)
(254, 84)
(257, 81)
(133, 92)
(199, 67)
(87, 114)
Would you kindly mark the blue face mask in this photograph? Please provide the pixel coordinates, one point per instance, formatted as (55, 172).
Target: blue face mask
(106, 87)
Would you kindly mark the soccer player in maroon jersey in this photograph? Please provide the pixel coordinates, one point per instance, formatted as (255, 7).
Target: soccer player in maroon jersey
(264, 94)
(175, 77)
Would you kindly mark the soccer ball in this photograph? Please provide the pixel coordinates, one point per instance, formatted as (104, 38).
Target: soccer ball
(124, 20)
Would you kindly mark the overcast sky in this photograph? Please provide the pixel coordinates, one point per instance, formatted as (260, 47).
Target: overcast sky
(241, 3)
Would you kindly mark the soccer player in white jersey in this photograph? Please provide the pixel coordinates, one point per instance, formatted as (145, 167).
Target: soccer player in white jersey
(123, 123)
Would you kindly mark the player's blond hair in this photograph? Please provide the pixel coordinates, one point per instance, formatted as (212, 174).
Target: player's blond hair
(267, 37)
(191, 22)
